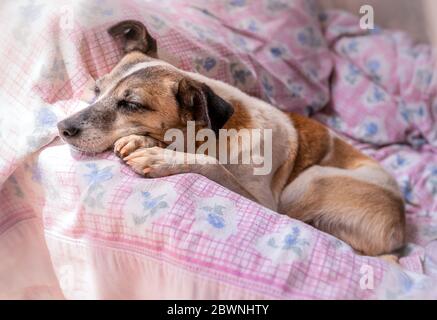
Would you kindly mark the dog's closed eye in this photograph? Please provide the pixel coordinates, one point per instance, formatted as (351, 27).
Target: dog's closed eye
(131, 105)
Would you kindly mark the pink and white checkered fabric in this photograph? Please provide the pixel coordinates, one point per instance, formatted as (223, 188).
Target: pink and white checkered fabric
(76, 226)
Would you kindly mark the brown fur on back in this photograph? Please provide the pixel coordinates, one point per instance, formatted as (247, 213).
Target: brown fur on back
(344, 156)
(315, 148)
(313, 143)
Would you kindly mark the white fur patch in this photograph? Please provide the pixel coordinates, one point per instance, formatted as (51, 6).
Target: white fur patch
(130, 71)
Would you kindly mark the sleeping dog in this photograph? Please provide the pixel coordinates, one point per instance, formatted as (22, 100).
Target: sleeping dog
(315, 176)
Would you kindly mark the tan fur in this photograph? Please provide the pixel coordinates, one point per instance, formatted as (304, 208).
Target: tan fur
(343, 155)
(241, 118)
(313, 143)
(316, 177)
(282, 175)
(361, 214)
(155, 92)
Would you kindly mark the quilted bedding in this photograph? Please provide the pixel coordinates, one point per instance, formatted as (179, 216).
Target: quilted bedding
(86, 227)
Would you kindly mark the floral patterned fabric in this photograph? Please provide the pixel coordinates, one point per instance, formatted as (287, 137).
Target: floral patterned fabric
(87, 227)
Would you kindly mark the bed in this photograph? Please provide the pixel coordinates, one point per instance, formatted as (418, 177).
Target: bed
(77, 226)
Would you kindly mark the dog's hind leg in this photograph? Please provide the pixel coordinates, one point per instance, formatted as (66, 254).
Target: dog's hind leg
(367, 216)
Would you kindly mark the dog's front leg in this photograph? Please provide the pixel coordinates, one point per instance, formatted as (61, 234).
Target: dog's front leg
(126, 145)
(158, 162)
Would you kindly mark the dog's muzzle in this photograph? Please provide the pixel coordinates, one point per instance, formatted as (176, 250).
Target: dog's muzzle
(68, 129)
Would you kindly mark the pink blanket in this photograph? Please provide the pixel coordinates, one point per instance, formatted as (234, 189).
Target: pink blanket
(74, 226)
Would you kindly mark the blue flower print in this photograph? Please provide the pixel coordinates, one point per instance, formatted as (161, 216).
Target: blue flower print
(424, 78)
(198, 32)
(291, 241)
(406, 282)
(203, 65)
(216, 221)
(157, 22)
(335, 122)
(374, 66)
(377, 95)
(45, 118)
(411, 112)
(253, 26)
(276, 52)
(209, 63)
(323, 16)
(240, 42)
(277, 5)
(432, 180)
(307, 37)
(99, 7)
(376, 30)
(399, 284)
(267, 86)
(350, 46)
(96, 175)
(296, 91)
(44, 121)
(239, 73)
(215, 216)
(151, 205)
(353, 73)
(416, 140)
(96, 190)
(406, 113)
(237, 3)
(434, 171)
(407, 190)
(370, 129)
(429, 231)
(399, 162)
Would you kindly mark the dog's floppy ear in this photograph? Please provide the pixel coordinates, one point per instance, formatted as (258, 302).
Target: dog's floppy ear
(205, 107)
(135, 37)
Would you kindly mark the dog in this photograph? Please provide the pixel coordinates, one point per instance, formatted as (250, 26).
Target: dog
(315, 176)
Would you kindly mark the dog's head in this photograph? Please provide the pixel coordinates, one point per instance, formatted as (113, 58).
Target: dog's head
(142, 95)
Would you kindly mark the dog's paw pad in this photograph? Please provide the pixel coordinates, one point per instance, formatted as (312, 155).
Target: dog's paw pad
(126, 145)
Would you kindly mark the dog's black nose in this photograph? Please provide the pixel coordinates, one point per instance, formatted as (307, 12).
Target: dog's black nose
(67, 130)
(70, 132)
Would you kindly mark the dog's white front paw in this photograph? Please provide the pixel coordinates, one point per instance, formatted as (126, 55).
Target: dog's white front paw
(156, 162)
(126, 145)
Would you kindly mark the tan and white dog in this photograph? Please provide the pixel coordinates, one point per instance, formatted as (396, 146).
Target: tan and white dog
(315, 176)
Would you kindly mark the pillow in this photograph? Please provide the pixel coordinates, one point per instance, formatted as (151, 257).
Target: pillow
(272, 49)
